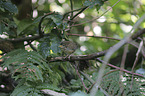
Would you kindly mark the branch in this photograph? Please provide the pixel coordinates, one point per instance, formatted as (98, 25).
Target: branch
(71, 2)
(136, 35)
(41, 34)
(77, 71)
(94, 55)
(139, 33)
(96, 17)
(90, 57)
(111, 51)
(92, 36)
(31, 45)
(71, 12)
(78, 57)
(79, 12)
(24, 38)
(133, 37)
(39, 26)
(135, 62)
(120, 68)
(93, 82)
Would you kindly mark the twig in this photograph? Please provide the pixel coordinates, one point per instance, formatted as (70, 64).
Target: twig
(87, 77)
(25, 38)
(71, 3)
(106, 59)
(70, 21)
(33, 48)
(110, 72)
(124, 57)
(73, 63)
(78, 57)
(122, 67)
(72, 17)
(92, 36)
(86, 57)
(135, 36)
(93, 82)
(139, 33)
(71, 12)
(96, 17)
(39, 26)
(119, 68)
(79, 12)
(111, 51)
(136, 59)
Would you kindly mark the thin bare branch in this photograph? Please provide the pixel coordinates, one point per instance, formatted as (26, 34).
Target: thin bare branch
(93, 36)
(136, 59)
(119, 68)
(96, 17)
(77, 71)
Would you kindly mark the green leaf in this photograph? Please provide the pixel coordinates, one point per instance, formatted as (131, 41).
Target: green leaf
(48, 86)
(99, 93)
(38, 72)
(96, 3)
(30, 65)
(57, 18)
(9, 6)
(23, 25)
(50, 43)
(19, 90)
(55, 38)
(54, 45)
(79, 93)
(25, 91)
(44, 47)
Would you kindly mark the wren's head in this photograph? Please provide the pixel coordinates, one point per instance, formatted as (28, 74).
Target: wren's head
(68, 47)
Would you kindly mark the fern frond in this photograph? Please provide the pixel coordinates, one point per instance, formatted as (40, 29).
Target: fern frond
(26, 91)
(112, 85)
(47, 86)
(29, 65)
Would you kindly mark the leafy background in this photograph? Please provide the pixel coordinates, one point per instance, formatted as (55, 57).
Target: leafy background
(26, 68)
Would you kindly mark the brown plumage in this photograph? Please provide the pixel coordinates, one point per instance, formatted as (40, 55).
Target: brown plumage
(68, 47)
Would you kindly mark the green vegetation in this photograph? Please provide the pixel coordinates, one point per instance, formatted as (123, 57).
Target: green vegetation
(109, 60)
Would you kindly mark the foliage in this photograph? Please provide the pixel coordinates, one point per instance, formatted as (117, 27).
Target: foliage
(49, 45)
(28, 65)
(96, 3)
(32, 88)
(79, 93)
(35, 60)
(8, 6)
(114, 86)
(7, 10)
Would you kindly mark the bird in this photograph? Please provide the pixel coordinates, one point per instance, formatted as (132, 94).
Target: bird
(68, 47)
